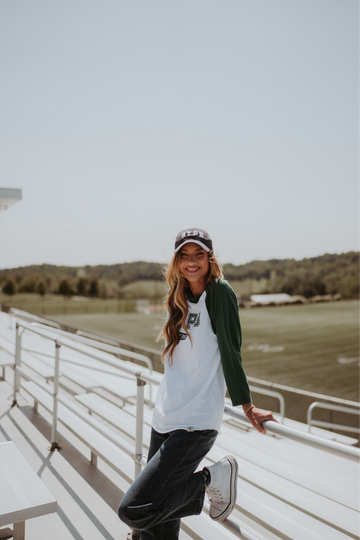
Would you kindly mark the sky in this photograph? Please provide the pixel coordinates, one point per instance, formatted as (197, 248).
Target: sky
(124, 122)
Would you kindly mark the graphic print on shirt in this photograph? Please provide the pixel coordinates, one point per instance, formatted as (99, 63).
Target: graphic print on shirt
(193, 319)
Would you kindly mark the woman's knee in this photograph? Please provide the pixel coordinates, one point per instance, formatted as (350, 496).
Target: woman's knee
(135, 517)
(124, 515)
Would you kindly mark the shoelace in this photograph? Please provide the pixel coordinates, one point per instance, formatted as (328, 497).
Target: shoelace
(215, 497)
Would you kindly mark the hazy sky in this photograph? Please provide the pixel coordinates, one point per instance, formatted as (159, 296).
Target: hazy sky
(126, 121)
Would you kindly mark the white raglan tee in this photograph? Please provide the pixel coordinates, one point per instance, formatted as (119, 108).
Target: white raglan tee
(192, 391)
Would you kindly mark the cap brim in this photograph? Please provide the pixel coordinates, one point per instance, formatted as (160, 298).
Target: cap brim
(192, 241)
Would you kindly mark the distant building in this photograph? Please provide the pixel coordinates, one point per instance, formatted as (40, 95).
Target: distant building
(276, 299)
(9, 196)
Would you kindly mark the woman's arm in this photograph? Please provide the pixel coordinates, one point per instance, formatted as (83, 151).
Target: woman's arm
(223, 310)
(224, 315)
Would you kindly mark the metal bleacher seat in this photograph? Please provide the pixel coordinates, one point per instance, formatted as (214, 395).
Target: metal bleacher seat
(286, 490)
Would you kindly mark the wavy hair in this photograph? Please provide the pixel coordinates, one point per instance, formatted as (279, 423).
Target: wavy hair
(176, 301)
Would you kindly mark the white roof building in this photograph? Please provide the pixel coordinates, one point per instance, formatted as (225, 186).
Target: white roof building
(281, 298)
(9, 196)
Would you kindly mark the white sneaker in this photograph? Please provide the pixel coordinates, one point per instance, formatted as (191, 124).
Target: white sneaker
(222, 488)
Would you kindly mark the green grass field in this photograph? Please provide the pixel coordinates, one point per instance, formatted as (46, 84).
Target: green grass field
(310, 347)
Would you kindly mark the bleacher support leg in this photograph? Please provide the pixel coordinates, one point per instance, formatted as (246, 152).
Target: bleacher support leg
(19, 531)
(94, 459)
(17, 363)
(54, 443)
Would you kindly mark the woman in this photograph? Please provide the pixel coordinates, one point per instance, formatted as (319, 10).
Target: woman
(202, 358)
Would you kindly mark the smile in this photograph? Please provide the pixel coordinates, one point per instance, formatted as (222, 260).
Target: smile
(192, 270)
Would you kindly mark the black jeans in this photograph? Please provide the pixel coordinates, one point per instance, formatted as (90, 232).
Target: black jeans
(168, 489)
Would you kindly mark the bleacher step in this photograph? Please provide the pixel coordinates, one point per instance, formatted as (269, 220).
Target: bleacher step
(96, 442)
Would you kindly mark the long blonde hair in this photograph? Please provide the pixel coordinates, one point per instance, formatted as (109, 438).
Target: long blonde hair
(176, 301)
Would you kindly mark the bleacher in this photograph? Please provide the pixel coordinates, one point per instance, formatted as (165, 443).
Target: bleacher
(287, 489)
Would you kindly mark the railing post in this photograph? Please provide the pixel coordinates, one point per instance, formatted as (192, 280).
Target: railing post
(54, 443)
(139, 423)
(135, 534)
(17, 363)
(309, 415)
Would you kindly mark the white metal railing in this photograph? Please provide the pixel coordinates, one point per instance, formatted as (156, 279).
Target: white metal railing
(142, 378)
(95, 338)
(308, 439)
(33, 318)
(131, 369)
(239, 529)
(330, 407)
(101, 346)
(305, 393)
(271, 393)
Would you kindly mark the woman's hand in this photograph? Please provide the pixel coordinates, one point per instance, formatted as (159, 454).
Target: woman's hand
(258, 416)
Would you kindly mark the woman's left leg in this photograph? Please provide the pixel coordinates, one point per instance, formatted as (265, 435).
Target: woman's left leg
(167, 489)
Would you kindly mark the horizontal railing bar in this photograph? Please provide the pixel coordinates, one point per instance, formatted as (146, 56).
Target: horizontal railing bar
(98, 427)
(103, 338)
(299, 436)
(78, 412)
(92, 368)
(266, 392)
(102, 346)
(29, 377)
(331, 425)
(133, 369)
(85, 341)
(235, 526)
(149, 378)
(312, 440)
(339, 427)
(328, 406)
(38, 352)
(32, 317)
(31, 329)
(304, 392)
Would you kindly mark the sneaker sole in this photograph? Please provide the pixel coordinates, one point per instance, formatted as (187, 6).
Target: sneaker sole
(233, 489)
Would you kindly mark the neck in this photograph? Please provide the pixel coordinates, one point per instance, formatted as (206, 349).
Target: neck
(197, 288)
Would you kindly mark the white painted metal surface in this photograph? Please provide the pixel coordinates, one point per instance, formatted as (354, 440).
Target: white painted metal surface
(331, 407)
(285, 489)
(22, 494)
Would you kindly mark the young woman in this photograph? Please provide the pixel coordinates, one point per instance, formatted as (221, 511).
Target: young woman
(202, 358)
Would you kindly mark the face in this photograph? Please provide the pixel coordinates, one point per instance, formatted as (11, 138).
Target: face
(194, 266)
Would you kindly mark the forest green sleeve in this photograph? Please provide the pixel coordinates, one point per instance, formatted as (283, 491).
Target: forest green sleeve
(223, 310)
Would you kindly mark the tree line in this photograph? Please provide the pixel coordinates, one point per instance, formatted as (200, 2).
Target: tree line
(106, 281)
(326, 274)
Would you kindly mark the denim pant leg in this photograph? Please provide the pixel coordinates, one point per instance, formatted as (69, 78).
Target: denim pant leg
(168, 529)
(167, 489)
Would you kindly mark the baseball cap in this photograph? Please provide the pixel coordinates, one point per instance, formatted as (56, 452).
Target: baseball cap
(195, 236)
